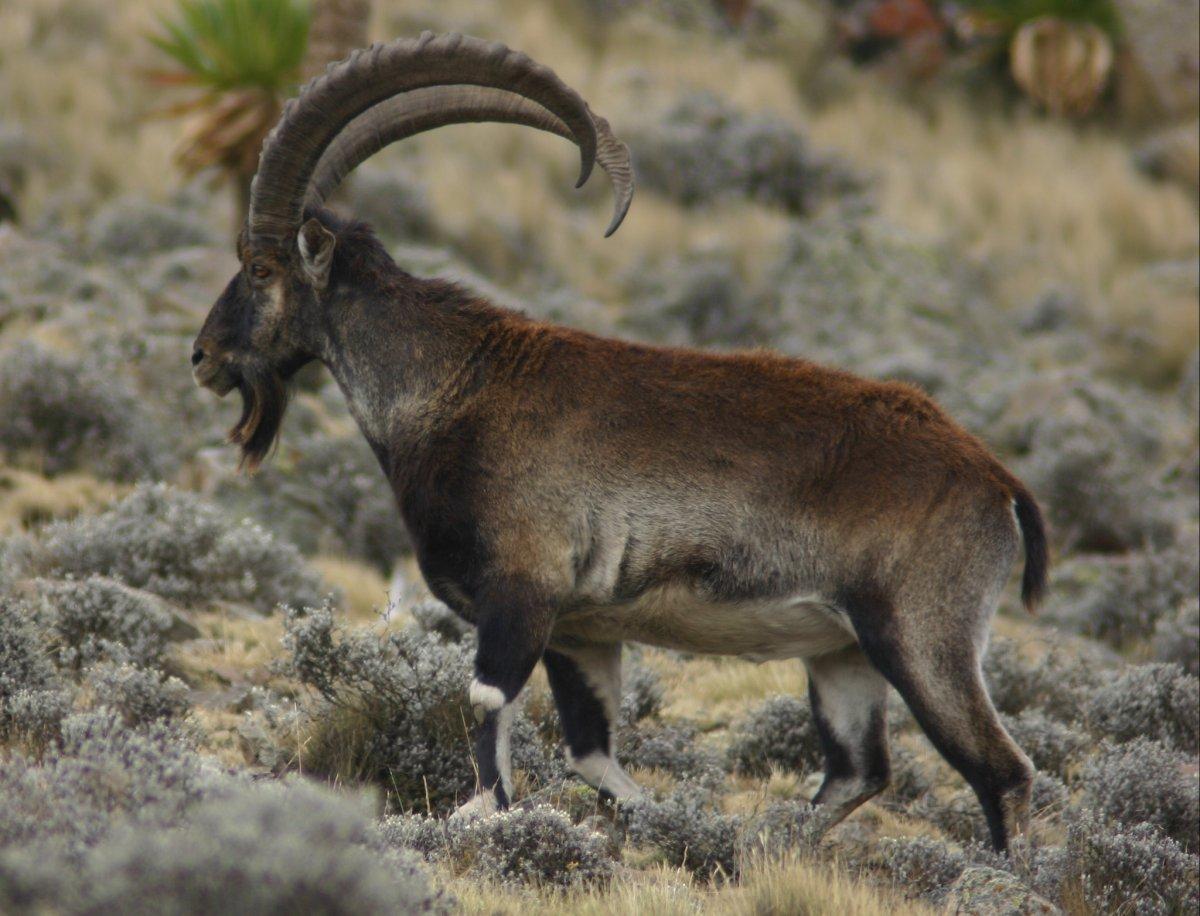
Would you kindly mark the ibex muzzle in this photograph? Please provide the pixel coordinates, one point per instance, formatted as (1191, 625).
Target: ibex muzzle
(566, 493)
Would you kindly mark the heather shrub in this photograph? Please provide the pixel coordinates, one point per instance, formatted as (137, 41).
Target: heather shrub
(539, 846)
(1059, 684)
(921, 866)
(100, 773)
(1121, 599)
(324, 494)
(673, 749)
(1087, 448)
(438, 620)
(957, 813)
(255, 849)
(1052, 746)
(393, 204)
(779, 734)
(32, 719)
(641, 695)
(177, 545)
(910, 779)
(132, 227)
(1177, 637)
(782, 829)
(1155, 701)
(98, 618)
(1145, 782)
(699, 300)
(394, 709)
(533, 846)
(1133, 869)
(687, 830)
(1049, 795)
(24, 660)
(140, 695)
(65, 413)
(703, 149)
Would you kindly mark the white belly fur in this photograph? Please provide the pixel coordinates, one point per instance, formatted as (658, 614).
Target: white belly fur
(794, 626)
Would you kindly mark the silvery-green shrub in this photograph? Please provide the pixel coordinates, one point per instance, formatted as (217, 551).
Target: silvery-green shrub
(69, 414)
(1155, 701)
(100, 618)
(1133, 869)
(781, 734)
(688, 829)
(1145, 782)
(177, 545)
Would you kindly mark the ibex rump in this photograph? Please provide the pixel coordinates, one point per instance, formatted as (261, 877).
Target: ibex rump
(566, 492)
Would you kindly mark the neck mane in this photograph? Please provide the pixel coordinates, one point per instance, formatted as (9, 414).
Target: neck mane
(405, 351)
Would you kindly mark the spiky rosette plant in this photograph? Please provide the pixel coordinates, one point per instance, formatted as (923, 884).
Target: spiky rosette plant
(242, 58)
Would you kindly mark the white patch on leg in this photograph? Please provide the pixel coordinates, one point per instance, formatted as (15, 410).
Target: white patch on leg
(504, 748)
(484, 698)
(604, 773)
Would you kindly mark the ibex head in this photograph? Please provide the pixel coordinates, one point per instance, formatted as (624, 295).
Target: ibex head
(267, 323)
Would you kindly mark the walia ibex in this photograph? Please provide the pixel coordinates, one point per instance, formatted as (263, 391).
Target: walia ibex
(566, 493)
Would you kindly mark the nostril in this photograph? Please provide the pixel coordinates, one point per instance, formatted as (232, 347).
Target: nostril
(197, 356)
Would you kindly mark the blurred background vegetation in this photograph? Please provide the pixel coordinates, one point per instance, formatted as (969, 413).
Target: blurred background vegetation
(996, 201)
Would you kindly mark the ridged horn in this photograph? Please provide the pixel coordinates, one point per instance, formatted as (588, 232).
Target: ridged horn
(402, 116)
(328, 103)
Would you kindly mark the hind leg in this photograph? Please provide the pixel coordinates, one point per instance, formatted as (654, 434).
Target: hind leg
(933, 661)
(849, 704)
(586, 683)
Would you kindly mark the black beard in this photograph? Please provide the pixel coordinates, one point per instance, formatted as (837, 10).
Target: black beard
(264, 400)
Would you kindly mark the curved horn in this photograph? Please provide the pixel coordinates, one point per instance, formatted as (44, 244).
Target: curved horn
(365, 78)
(413, 112)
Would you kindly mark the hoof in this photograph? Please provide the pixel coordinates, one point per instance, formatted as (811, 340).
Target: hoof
(482, 805)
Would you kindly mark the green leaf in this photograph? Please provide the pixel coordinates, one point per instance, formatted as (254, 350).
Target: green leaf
(237, 44)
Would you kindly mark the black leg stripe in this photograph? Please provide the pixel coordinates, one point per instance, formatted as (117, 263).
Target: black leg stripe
(584, 720)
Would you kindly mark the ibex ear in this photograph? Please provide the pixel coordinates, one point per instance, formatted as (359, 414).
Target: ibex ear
(316, 252)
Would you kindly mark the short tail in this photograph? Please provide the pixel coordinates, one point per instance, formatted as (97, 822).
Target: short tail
(1037, 560)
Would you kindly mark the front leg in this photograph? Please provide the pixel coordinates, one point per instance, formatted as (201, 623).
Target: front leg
(514, 623)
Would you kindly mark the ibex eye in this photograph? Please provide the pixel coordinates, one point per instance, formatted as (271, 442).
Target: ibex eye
(260, 272)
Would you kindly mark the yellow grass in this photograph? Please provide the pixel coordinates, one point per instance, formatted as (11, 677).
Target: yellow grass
(789, 888)
(28, 499)
(363, 592)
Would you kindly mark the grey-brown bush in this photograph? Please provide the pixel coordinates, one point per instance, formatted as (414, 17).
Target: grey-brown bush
(24, 658)
(780, 734)
(99, 618)
(140, 695)
(324, 494)
(703, 149)
(1131, 869)
(257, 848)
(688, 829)
(921, 866)
(1059, 685)
(1155, 701)
(1052, 745)
(539, 846)
(177, 545)
(673, 749)
(1120, 599)
(133, 227)
(1177, 636)
(395, 710)
(101, 774)
(1145, 782)
(64, 413)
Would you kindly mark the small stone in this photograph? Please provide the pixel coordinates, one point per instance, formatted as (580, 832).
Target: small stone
(981, 891)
